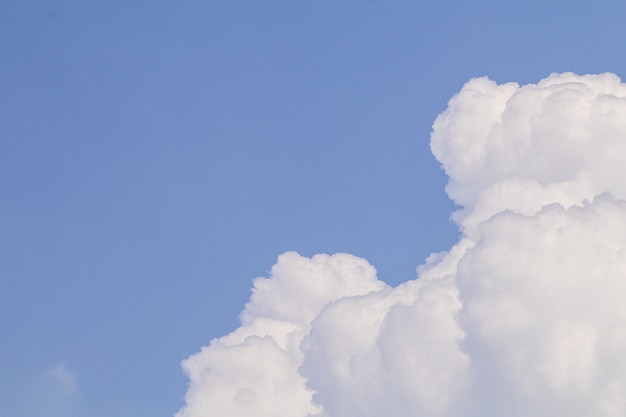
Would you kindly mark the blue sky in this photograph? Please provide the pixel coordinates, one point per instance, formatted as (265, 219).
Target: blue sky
(155, 157)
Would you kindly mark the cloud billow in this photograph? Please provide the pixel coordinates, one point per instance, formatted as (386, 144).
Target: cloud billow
(525, 316)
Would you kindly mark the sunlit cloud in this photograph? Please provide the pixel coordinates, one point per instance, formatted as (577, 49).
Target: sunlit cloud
(524, 316)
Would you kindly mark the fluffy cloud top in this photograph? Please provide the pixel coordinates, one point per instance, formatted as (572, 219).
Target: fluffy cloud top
(506, 147)
(524, 316)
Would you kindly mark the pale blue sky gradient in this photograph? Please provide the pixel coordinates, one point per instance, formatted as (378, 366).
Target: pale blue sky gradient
(155, 157)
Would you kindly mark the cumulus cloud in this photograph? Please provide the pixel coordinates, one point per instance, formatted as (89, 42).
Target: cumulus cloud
(524, 316)
(255, 369)
(506, 147)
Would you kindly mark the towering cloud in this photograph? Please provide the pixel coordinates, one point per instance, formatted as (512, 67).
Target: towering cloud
(524, 316)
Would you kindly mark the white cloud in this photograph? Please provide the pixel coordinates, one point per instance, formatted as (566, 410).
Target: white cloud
(544, 311)
(61, 377)
(254, 370)
(525, 316)
(520, 148)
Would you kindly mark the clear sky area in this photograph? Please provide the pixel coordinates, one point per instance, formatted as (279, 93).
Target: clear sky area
(157, 156)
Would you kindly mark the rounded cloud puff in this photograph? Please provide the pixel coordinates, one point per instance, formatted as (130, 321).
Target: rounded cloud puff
(254, 370)
(544, 312)
(524, 316)
(520, 148)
